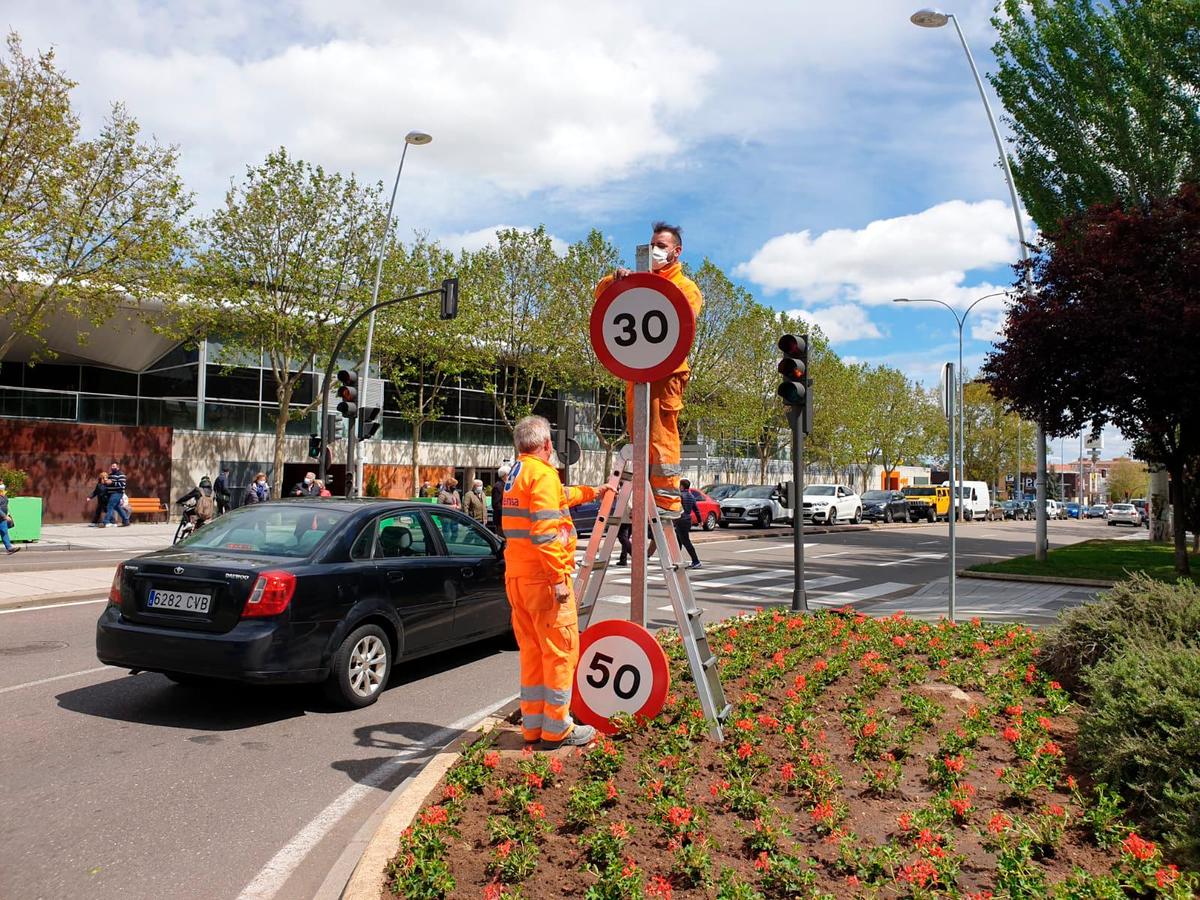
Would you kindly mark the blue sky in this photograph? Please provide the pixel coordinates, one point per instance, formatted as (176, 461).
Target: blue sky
(829, 156)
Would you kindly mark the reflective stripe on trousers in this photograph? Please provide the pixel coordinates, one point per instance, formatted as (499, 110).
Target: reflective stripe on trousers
(548, 638)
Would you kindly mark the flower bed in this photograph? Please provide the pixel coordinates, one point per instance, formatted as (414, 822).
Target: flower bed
(881, 757)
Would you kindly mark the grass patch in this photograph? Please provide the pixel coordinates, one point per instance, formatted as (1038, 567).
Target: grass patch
(1106, 560)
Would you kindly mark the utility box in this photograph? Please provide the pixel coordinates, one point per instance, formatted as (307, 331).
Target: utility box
(27, 516)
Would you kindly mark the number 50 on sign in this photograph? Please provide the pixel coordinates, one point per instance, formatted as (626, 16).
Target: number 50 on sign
(622, 669)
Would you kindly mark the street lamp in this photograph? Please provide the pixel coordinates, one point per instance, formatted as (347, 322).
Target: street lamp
(961, 320)
(418, 138)
(933, 18)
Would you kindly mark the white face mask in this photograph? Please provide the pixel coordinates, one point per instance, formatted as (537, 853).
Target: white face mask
(659, 258)
(308, 481)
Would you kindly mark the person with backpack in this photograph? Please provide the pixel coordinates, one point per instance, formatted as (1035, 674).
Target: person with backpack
(205, 509)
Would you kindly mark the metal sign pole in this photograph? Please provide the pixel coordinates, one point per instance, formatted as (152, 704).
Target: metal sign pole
(799, 597)
(950, 401)
(641, 486)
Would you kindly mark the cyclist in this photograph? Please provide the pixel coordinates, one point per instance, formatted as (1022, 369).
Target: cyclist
(199, 505)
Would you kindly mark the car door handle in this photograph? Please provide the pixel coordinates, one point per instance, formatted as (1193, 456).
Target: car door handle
(467, 573)
(395, 576)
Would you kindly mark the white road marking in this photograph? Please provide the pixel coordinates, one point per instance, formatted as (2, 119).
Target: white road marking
(17, 687)
(905, 560)
(279, 869)
(739, 579)
(52, 606)
(773, 547)
(810, 584)
(866, 593)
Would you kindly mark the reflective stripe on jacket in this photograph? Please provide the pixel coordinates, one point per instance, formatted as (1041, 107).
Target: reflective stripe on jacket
(537, 521)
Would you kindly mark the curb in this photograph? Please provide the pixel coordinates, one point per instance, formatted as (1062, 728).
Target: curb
(367, 880)
(1035, 579)
(53, 599)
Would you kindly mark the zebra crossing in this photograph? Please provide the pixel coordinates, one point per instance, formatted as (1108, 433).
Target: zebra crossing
(749, 582)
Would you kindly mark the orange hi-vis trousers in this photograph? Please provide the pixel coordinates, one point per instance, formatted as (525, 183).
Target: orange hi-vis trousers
(666, 402)
(548, 637)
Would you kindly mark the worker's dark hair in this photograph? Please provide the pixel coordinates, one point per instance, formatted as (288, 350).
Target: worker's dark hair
(674, 229)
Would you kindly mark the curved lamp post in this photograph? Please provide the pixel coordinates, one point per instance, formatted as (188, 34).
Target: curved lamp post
(933, 18)
(961, 320)
(417, 138)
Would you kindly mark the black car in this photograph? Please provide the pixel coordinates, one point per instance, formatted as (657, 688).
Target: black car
(583, 516)
(721, 492)
(885, 506)
(329, 591)
(1014, 509)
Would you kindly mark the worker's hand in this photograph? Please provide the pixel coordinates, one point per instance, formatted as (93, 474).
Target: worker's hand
(603, 491)
(562, 592)
(618, 274)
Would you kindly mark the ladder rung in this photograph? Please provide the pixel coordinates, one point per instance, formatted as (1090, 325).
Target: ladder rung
(695, 612)
(710, 662)
(724, 714)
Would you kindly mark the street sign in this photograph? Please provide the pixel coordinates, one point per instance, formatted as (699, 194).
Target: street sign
(642, 327)
(621, 668)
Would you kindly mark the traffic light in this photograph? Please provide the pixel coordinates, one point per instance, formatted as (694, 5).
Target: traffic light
(796, 387)
(314, 446)
(449, 298)
(369, 422)
(348, 391)
(566, 429)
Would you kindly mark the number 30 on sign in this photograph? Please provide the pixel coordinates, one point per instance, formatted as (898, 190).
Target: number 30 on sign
(621, 669)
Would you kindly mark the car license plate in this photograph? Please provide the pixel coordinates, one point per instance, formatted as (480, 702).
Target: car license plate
(179, 600)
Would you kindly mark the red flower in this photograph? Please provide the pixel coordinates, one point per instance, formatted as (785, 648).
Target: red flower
(618, 830)
(435, 815)
(1049, 749)
(927, 839)
(533, 779)
(503, 850)
(535, 810)
(852, 881)
(556, 765)
(679, 816)
(491, 759)
(1044, 723)
(1138, 847)
(717, 786)
(954, 763)
(769, 722)
(763, 863)
(869, 729)
(787, 772)
(1015, 711)
(961, 807)
(1055, 810)
(1055, 686)
(743, 725)
(1167, 876)
(658, 886)
(1011, 734)
(999, 823)
(1072, 784)
(451, 792)
(822, 812)
(744, 750)
(654, 788)
(493, 891)
(612, 791)
(800, 683)
(820, 665)
(905, 821)
(920, 873)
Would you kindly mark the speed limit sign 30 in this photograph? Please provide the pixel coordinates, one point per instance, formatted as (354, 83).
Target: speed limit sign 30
(642, 327)
(622, 669)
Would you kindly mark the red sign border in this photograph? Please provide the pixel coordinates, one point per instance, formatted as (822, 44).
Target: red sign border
(677, 299)
(658, 667)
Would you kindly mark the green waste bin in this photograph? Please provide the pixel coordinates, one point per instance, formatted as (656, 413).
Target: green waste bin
(27, 516)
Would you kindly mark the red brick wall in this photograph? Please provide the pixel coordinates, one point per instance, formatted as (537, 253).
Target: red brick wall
(63, 460)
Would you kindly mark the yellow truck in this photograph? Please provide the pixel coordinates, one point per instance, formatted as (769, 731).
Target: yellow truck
(927, 501)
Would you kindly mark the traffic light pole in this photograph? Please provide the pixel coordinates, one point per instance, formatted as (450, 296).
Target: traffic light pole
(799, 598)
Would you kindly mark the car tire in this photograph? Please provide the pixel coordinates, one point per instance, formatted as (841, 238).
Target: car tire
(857, 516)
(931, 516)
(887, 517)
(831, 519)
(710, 521)
(968, 514)
(360, 668)
(764, 519)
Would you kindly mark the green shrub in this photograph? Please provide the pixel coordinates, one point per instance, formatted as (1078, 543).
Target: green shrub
(1140, 610)
(13, 479)
(1141, 733)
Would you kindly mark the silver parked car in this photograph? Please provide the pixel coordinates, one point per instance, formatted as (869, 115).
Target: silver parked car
(1125, 514)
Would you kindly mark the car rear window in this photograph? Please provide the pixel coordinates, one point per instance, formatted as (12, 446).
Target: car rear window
(269, 529)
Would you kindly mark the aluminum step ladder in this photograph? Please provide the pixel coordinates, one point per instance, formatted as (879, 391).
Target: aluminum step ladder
(615, 510)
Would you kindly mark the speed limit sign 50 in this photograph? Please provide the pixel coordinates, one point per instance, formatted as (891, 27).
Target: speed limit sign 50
(642, 327)
(622, 668)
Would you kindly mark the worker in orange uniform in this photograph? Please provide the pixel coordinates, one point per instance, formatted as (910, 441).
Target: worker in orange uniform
(666, 395)
(539, 561)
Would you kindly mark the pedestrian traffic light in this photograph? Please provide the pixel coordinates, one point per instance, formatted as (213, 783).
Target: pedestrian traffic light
(348, 392)
(566, 430)
(370, 420)
(796, 387)
(314, 447)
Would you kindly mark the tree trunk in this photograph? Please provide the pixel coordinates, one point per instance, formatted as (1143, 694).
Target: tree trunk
(283, 393)
(762, 467)
(1178, 523)
(416, 456)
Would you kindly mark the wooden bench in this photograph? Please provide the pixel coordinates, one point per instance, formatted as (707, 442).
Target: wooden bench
(148, 506)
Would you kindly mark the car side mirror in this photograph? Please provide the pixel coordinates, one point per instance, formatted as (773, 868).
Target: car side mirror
(775, 495)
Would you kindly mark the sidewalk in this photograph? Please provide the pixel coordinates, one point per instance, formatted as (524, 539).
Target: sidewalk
(137, 538)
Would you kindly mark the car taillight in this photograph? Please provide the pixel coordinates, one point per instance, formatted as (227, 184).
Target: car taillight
(271, 594)
(114, 592)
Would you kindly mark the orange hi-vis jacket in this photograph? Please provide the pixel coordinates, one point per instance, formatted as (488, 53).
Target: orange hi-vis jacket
(537, 521)
(673, 272)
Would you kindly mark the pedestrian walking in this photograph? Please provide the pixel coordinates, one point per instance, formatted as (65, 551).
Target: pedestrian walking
(474, 504)
(257, 492)
(117, 504)
(221, 491)
(6, 522)
(427, 490)
(625, 538)
(100, 495)
(498, 500)
(448, 496)
(539, 562)
(683, 525)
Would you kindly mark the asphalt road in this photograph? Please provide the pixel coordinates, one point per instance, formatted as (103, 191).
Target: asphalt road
(120, 786)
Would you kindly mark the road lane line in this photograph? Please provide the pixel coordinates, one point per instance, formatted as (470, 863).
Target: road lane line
(17, 687)
(52, 606)
(865, 593)
(279, 869)
(773, 547)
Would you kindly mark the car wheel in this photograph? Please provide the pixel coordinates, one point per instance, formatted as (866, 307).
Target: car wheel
(710, 521)
(968, 514)
(360, 668)
(184, 529)
(764, 519)
(857, 516)
(832, 520)
(887, 517)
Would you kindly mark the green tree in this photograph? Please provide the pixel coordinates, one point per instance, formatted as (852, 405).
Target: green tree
(990, 448)
(1101, 100)
(904, 419)
(1127, 479)
(420, 353)
(285, 261)
(85, 225)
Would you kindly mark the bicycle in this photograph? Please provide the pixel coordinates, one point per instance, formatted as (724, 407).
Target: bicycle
(187, 521)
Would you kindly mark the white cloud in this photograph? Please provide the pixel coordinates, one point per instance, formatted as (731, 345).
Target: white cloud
(483, 237)
(842, 323)
(926, 254)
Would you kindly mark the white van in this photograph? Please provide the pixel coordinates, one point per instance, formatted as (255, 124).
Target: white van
(975, 498)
